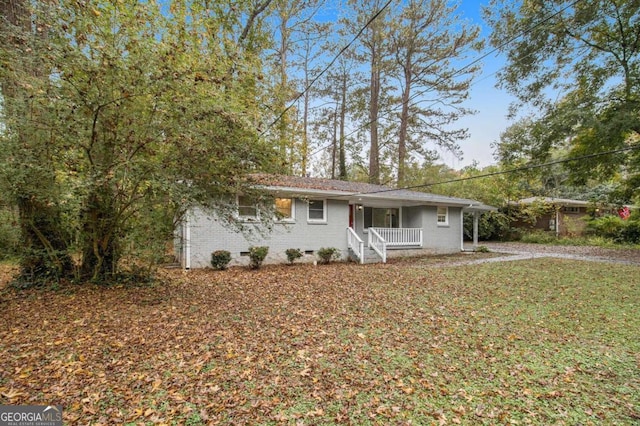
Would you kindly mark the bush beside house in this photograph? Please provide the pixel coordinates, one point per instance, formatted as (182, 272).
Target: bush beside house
(220, 259)
(293, 254)
(327, 254)
(257, 256)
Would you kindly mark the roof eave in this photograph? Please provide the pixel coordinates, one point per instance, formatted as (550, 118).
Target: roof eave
(358, 197)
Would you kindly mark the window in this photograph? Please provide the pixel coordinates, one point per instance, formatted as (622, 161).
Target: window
(443, 215)
(317, 211)
(285, 209)
(247, 209)
(381, 218)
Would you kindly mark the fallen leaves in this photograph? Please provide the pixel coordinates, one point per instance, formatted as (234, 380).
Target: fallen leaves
(338, 344)
(12, 395)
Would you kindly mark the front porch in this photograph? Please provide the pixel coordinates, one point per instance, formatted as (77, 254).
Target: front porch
(383, 225)
(379, 240)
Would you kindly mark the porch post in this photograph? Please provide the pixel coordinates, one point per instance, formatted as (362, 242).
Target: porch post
(475, 229)
(187, 242)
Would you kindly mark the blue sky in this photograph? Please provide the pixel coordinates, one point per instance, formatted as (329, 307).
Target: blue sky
(491, 103)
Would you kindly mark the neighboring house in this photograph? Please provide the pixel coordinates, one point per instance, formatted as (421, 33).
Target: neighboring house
(558, 215)
(363, 221)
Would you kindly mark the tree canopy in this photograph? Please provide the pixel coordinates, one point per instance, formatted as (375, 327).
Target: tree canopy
(120, 115)
(576, 65)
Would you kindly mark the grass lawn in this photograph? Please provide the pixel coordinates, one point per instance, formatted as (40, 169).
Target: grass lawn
(540, 342)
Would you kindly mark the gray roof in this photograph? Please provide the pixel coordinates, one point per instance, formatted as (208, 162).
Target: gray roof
(359, 192)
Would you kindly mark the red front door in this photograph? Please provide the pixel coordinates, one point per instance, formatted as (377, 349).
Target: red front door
(351, 209)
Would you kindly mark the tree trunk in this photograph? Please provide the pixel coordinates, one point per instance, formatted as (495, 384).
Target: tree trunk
(374, 151)
(100, 250)
(305, 126)
(45, 256)
(283, 127)
(334, 145)
(15, 12)
(402, 134)
(342, 158)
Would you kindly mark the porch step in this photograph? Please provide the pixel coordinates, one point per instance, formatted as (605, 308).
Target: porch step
(370, 256)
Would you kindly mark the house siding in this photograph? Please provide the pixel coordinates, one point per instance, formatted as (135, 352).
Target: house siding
(437, 239)
(412, 217)
(571, 223)
(441, 239)
(209, 234)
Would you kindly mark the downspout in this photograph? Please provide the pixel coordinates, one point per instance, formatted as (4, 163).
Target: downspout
(187, 243)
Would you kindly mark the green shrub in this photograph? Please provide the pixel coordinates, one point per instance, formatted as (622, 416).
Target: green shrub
(491, 226)
(481, 249)
(607, 226)
(9, 234)
(539, 237)
(257, 256)
(327, 254)
(631, 232)
(293, 254)
(220, 259)
(614, 228)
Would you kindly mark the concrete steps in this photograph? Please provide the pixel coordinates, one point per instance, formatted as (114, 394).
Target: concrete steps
(370, 256)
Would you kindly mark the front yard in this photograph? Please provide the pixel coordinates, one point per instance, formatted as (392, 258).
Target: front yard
(528, 342)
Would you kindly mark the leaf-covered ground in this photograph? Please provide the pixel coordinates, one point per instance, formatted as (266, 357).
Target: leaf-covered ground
(529, 342)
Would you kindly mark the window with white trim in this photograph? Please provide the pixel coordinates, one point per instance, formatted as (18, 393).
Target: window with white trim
(285, 209)
(247, 209)
(317, 211)
(443, 216)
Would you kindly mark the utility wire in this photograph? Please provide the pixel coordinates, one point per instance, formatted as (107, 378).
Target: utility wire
(335, 58)
(459, 71)
(508, 171)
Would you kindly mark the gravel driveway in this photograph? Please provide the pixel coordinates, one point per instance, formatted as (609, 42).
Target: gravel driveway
(595, 254)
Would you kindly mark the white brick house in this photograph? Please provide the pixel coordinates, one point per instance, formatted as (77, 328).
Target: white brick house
(359, 219)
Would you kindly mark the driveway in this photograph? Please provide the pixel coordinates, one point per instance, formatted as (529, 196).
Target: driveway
(517, 251)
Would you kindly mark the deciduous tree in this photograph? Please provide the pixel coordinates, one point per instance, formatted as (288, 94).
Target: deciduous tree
(27, 160)
(577, 63)
(145, 111)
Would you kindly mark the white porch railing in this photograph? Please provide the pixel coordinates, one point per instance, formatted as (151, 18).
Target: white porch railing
(378, 244)
(400, 237)
(355, 243)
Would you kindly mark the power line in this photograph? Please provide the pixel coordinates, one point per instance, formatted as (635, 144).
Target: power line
(508, 171)
(335, 58)
(459, 71)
